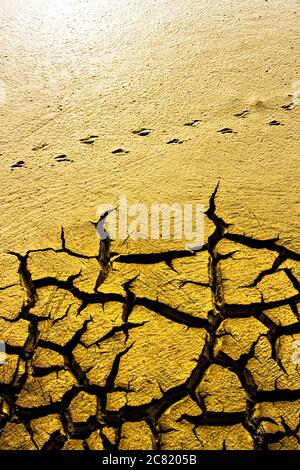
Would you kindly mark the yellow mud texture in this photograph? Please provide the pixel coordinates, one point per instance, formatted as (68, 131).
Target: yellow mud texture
(145, 345)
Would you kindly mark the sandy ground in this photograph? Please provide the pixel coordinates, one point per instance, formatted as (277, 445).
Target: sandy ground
(131, 346)
(79, 68)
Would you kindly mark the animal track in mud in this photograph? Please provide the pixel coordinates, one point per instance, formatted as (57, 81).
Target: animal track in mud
(143, 132)
(19, 164)
(168, 350)
(40, 147)
(192, 122)
(62, 158)
(89, 140)
(175, 141)
(119, 151)
(243, 114)
(275, 123)
(288, 107)
(227, 130)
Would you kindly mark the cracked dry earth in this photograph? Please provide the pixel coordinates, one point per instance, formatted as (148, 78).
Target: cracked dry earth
(167, 350)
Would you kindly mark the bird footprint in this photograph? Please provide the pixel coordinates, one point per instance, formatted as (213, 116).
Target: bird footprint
(19, 164)
(63, 158)
(192, 122)
(275, 123)
(40, 147)
(227, 130)
(175, 141)
(242, 114)
(119, 150)
(89, 140)
(143, 132)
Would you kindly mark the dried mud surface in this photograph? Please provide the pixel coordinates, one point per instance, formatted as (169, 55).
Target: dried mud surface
(167, 350)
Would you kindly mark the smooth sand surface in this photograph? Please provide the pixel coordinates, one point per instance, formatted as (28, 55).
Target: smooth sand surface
(78, 68)
(135, 346)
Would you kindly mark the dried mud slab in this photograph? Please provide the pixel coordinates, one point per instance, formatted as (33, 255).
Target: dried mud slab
(136, 436)
(112, 347)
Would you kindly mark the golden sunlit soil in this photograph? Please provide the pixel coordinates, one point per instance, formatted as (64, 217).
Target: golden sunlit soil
(147, 345)
(152, 350)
